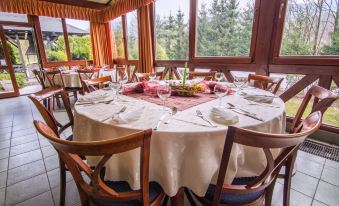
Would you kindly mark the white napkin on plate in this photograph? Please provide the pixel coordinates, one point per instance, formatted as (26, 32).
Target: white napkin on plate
(260, 98)
(92, 97)
(128, 116)
(223, 116)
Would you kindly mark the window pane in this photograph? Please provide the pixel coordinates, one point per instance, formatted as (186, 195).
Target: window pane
(171, 29)
(132, 35)
(53, 37)
(224, 28)
(79, 39)
(13, 17)
(118, 41)
(311, 28)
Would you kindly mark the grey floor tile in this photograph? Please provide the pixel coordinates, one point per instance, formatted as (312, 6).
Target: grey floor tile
(3, 179)
(5, 137)
(51, 162)
(309, 167)
(22, 126)
(297, 198)
(3, 164)
(332, 163)
(327, 193)
(48, 151)
(72, 194)
(4, 153)
(24, 190)
(44, 142)
(311, 157)
(24, 158)
(23, 132)
(304, 183)
(25, 172)
(317, 203)
(5, 130)
(330, 175)
(8, 123)
(5, 144)
(2, 196)
(24, 139)
(54, 177)
(22, 148)
(45, 199)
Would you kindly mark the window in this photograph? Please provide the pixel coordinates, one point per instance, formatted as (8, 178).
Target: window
(311, 28)
(132, 35)
(224, 28)
(13, 17)
(118, 41)
(53, 38)
(171, 22)
(79, 39)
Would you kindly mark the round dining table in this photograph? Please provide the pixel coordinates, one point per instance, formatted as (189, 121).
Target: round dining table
(187, 151)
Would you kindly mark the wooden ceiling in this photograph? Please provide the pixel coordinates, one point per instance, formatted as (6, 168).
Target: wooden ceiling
(93, 4)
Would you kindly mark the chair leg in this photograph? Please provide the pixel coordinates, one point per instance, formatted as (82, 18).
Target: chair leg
(58, 101)
(189, 197)
(62, 182)
(287, 178)
(269, 194)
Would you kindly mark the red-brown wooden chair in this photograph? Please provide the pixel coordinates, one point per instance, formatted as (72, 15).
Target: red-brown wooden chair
(256, 190)
(46, 95)
(87, 74)
(95, 84)
(265, 82)
(208, 76)
(98, 191)
(39, 77)
(139, 77)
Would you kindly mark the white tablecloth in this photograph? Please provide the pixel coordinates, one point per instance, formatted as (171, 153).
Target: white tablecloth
(182, 154)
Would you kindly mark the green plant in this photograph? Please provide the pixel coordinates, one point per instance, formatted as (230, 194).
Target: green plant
(20, 78)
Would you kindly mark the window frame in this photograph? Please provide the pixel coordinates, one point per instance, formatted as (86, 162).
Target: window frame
(123, 36)
(327, 60)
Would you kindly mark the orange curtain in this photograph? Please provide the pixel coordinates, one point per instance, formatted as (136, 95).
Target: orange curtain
(44, 8)
(100, 45)
(145, 40)
(121, 7)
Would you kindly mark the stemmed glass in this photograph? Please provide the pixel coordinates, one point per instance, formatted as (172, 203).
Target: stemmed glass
(219, 76)
(122, 78)
(164, 92)
(220, 91)
(240, 83)
(152, 76)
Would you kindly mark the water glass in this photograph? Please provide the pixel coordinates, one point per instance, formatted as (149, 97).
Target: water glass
(219, 76)
(220, 91)
(152, 76)
(164, 92)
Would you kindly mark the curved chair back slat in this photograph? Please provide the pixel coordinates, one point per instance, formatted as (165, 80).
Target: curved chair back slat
(265, 82)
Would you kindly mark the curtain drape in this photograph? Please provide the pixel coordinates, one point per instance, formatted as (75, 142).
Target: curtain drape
(100, 45)
(44, 8)
(145, 40)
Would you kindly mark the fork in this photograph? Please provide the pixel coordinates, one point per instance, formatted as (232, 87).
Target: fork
(199, 114)
(120, 111)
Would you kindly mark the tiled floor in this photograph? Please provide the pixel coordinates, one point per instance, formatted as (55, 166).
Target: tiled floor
(29, 166)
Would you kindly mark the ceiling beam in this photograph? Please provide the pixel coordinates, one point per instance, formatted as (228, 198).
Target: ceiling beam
(80, 3)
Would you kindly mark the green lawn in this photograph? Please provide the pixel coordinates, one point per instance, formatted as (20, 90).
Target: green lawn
(331, 115)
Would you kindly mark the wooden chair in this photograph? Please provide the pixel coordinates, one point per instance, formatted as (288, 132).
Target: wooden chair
(87, 74)
(209, 76)
(46, 95)
(256, 190)
(265, 82)
(139, 77)
(95, 84)
(98, 191)
(39, 77)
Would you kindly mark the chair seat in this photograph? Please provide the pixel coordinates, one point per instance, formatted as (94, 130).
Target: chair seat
(122, 186)
(228, 198)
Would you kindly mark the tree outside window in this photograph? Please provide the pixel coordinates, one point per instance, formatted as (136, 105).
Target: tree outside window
(117, 30)
(132, 35)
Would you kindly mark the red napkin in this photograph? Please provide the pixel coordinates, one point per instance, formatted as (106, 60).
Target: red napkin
(65, 72)
(150, 87)
(134, 88)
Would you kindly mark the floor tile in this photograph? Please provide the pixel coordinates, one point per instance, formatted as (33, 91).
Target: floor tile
(54, 177)
(332, 163)
(327, 193)
(2, 196)
(48, 151)
(6, 124)
(5, 144)
(311, 157)
(25, 172)
(5, 130)
(4, 153)
(309, 167)
(45, 199)
(24, 158)
(317, 203)
(330, 175)
(24, 139)
(22, 148)
(23, 132)
(24, 190)
(44, 143)
(72, 194)
(297, 198)
(5, 137)
(52, 162)
(304, 183)
(3, 164)
(3, 178)
(22, 126)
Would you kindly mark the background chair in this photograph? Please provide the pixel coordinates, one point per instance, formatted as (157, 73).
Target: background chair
(98, 191)
(265, 82)
(256, 190)
(39, 76)
(87, 74)
(139, 77)
(95, 84)
(208, 76)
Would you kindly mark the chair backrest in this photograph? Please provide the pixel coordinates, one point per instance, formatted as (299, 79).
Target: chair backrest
(323, 99)
(54, 77)
(209, 76)
(288, 143)
(43, 100)
(86, 73)
(39, 77)
(94, 84)
(71, 152)
(145, 76)
(265, 82)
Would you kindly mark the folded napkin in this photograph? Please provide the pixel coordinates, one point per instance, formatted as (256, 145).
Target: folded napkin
(260, 98)
(128, 116)
(92, 97)
(223, 116)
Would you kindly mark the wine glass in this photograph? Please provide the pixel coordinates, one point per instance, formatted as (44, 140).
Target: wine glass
(152, 76)
(220, 91)
(239, 83)
(219, 76)
(164, 92)
(115, 87)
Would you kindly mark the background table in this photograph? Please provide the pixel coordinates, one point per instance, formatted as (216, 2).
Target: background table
(182, 154)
